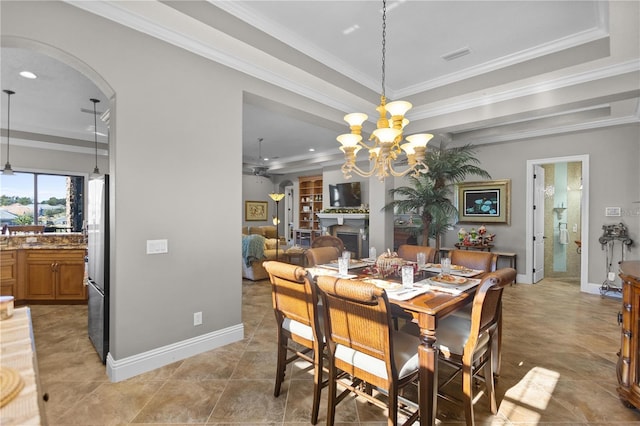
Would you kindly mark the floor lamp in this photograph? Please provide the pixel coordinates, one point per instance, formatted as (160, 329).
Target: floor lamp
(277, 197)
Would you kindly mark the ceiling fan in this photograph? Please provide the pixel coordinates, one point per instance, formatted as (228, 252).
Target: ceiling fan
(259, 168)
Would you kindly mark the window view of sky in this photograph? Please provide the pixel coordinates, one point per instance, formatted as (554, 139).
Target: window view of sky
(21, 184)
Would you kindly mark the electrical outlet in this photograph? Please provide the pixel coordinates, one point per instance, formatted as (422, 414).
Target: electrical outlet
(611, 276)
(197, 318)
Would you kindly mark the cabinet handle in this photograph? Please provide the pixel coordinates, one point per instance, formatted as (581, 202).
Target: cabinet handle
(619, 318)
(53, 267)
(627, 334)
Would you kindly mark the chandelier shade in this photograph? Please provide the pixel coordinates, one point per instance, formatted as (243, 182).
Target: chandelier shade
(386, 146)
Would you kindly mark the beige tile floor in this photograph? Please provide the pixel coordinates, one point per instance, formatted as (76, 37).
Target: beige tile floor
(559, 358)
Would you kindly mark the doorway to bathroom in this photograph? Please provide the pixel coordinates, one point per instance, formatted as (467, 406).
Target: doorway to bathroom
(563, 220)
(558, 220)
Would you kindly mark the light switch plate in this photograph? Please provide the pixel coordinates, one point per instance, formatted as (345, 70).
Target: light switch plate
(157, 246)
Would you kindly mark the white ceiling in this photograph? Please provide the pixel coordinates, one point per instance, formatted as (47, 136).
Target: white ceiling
(534, 68)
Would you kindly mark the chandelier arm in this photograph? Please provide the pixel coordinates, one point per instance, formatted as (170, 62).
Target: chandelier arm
(399, 174)
(362, 173)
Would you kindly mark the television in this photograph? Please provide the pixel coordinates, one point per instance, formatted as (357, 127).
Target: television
(345, 195)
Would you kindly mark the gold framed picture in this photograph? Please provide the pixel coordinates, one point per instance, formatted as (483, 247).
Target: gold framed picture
(484, 202)
(255, 211)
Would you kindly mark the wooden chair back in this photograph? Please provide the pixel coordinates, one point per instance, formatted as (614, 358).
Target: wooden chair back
(410, 252)
(486, 302)
(321, 255)
(328, 241)
(480, 260)
(357, 317)
(294, 297)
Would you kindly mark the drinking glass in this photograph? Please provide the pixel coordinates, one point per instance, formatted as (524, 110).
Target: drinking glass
(346, 255)
(372, 253)
(422, 260)
(407, 276)
(343, 265)
(445, 264)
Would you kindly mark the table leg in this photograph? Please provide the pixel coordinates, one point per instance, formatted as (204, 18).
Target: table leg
(428, 357)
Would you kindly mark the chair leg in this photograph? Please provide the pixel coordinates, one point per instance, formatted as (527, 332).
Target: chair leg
(496, 346)
(467, 394)
(488, 380)
(281, 363)
(317, 388)
(331, 407)
(392, 419)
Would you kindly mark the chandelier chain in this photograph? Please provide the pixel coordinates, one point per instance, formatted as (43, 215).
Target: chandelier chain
(384, 43)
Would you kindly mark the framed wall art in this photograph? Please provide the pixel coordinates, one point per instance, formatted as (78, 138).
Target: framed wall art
(485, 202)
(255, 211)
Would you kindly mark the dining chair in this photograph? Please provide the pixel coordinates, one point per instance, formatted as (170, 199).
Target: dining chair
(363, 348)
(328, 241)
(295, 304)
(321, 255)
(473, 259)
(466, 343)
(410, 252)
(487, 262)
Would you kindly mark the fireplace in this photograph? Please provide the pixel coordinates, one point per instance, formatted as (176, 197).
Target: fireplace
(351, 242)
(352, 229)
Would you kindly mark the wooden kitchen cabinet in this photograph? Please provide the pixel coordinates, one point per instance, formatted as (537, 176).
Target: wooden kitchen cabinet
(628, 367)
(8, 272)
(54, 275)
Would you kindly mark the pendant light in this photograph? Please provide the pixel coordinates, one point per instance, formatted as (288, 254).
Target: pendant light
(96, 170)
(7, 167)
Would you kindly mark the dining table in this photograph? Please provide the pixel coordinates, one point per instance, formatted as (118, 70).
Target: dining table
(427, 308)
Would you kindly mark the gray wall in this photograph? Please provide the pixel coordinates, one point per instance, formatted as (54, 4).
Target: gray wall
(614, 154)
(166, 100)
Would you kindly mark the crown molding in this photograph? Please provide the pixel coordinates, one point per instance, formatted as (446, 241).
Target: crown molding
(152, 18)
(535, 88)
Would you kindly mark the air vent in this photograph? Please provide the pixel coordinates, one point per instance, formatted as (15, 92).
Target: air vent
(456, 54)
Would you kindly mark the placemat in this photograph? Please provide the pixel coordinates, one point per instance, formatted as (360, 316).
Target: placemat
(11, 384)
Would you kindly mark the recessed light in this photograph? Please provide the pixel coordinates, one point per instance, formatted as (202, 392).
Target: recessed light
(311, 149)
(351, 29)
(28, 74)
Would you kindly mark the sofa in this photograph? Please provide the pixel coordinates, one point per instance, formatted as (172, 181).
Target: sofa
(258, 245)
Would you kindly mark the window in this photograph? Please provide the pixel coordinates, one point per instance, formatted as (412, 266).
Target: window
(55, 201)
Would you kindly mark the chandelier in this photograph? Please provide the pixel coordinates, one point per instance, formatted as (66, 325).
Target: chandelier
(387, 138)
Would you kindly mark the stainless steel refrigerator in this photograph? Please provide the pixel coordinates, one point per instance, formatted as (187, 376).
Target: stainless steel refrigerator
(98, 264)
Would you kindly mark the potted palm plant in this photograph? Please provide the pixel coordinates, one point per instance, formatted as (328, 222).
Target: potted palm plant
(431, 194)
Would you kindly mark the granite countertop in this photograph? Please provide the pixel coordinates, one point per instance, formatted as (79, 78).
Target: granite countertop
(52, 241)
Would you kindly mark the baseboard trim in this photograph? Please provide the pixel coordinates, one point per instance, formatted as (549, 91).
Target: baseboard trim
(125, 368)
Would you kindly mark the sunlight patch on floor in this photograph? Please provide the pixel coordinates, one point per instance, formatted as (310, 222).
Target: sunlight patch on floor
(527, 397)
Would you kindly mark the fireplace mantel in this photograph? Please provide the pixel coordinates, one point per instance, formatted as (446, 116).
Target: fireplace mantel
(351, 228)
(356, 220)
